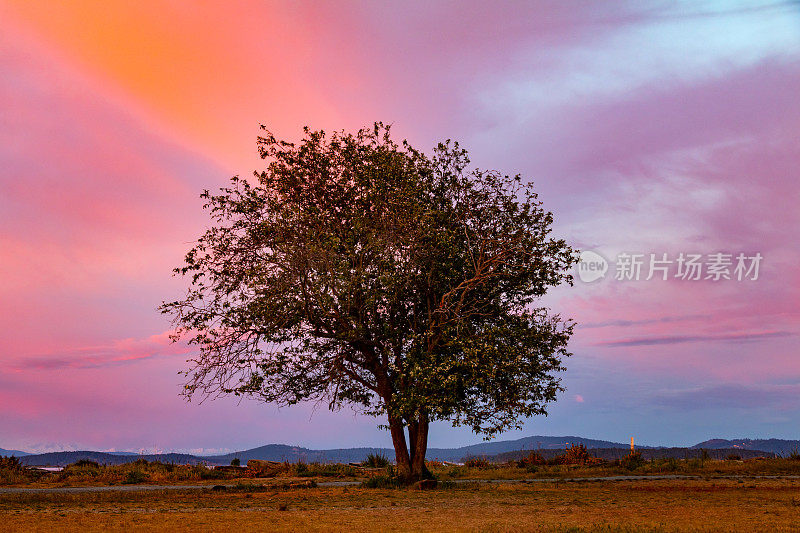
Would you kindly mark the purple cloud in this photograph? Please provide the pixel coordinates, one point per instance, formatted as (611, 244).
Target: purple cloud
(681, 339)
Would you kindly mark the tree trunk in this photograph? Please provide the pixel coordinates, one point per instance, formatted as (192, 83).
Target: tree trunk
(412, 439)
(420, 446)
(402, 459)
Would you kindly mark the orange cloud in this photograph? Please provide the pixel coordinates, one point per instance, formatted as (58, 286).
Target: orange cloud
(205, 74)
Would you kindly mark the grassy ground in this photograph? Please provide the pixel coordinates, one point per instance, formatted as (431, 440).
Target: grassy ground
(88, 473)
(652, 505)
(141, 472)
(694, 467)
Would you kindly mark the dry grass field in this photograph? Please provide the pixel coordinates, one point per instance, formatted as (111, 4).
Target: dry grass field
(651, 505)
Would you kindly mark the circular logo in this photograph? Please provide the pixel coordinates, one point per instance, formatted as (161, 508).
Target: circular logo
(591, 266)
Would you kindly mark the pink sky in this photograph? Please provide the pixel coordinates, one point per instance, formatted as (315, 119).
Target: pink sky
(647, 127)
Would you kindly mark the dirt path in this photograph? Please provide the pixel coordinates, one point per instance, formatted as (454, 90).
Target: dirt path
(137, 488)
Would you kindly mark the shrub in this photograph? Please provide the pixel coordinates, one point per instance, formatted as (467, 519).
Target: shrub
(576, 455)
(694, 464)
(86, 463)
(476, 462)
(12, 471)
(734, 457)
(375, 460)
(135, 476)
(632, 461)
(236, 462)
(207, 473)
(11, 462)
(83, 469)
(794, 455)
(382, 482)
(532, 459)
(671, 464)
(454, 472)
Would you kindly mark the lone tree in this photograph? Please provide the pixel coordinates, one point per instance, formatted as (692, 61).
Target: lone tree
(359, 271)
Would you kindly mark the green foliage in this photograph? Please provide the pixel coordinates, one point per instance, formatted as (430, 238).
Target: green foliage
(376, 460)
(359, 271)
(236, 461)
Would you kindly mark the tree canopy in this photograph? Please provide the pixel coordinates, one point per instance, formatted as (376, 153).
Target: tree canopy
(358, 271)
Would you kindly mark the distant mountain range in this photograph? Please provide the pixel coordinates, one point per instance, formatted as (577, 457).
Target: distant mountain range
(511, 448)
(776, 446)
(281, 452)
(15, 453)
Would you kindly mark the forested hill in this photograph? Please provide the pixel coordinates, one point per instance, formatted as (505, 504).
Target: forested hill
(777, 446)
(283, 452)
(8, 453)
(65, 458)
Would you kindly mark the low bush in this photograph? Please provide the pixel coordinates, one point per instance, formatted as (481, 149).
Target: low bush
(670, 464)
(533, 459)
(382, 482)
(376, 460)
(84, 469)
(86, 463)
(12, 471)
(632, 461)
(576, 455)
(135, 476)
(476, 462)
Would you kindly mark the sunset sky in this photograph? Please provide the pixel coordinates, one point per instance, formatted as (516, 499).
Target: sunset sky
(647, 127)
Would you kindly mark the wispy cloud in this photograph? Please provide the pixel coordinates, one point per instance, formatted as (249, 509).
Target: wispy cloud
(647, 321)
(731, 396)
(665, 127)
(682, 339)
(120, 352)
